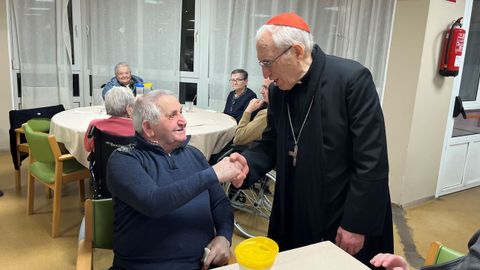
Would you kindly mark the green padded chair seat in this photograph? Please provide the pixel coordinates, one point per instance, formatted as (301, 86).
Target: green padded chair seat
(46, 171)
(446, 254)
(39, 124)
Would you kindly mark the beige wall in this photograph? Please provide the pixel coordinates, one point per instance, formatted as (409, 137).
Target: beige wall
(417, 99)
(6, 89)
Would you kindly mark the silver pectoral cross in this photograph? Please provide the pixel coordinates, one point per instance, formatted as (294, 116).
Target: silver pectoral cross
(294, 154)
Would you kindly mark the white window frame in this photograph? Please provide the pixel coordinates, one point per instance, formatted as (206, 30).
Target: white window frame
(468, 105)
(188, 75)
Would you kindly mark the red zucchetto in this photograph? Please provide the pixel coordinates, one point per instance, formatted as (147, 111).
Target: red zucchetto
(289, 19)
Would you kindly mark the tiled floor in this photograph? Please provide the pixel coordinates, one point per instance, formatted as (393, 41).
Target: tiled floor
(26, 243)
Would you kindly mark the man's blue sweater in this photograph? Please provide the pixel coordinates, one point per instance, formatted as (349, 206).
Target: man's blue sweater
(168, 207)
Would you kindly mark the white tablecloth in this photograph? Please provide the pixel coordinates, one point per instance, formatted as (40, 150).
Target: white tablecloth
(324, 255)
(210, 131)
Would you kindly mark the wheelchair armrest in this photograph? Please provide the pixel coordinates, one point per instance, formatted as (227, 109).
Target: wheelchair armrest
(233, 149)
(238, 148)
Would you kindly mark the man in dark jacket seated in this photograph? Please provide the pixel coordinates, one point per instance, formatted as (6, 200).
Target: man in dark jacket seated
(169, 205)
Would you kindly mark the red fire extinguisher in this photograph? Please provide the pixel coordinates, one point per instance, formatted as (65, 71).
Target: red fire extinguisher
(452, 49)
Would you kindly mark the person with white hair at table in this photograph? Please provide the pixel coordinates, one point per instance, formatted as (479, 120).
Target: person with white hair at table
(123, 77)
(119, 105)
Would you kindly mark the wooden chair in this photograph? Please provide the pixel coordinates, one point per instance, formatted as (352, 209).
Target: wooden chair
(439, 253)
(53, 169)
(98, 231)
(22, 150)
(37, 124)
(17, 118)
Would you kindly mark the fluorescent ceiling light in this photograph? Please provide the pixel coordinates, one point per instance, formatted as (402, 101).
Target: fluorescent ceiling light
(262, 15)
(39, 8)
(331, 8)
(154, 2)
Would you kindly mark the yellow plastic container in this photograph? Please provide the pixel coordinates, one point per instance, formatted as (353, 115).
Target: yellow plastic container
(257, 253)
(148, 86)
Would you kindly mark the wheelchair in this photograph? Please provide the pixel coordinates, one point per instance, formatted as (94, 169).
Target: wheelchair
(252, 206)
(104, 144)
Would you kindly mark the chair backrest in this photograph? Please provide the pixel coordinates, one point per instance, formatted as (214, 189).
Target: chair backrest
(99, 217)
(39, 124)
(104, 145)
(39, 145)
(102, 215)
(439, 253)
(18, 117)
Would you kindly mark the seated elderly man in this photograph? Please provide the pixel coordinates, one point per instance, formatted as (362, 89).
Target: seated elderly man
(169, 204)
(119, 104)
(254, 118)
(123, 77)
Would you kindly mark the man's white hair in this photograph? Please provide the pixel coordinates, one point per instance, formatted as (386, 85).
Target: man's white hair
(285, 36)
(145, 108)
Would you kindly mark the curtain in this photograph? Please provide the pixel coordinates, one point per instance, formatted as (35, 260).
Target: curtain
(145, 34)
(356, 29)
(44, 52)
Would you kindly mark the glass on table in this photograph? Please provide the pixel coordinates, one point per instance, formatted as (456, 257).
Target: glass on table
(188, 106)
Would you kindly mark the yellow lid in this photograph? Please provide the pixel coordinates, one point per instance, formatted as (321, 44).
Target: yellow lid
(257, 252)
(148, 85)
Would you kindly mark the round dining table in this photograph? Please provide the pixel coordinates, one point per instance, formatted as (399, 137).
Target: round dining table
(210, 131)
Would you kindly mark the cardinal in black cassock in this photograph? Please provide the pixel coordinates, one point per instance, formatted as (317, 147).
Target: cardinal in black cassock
(326, 138)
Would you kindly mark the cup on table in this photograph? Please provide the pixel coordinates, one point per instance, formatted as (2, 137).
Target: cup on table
(140, 89)
(188, 106)
(256, 253)
(147, 87)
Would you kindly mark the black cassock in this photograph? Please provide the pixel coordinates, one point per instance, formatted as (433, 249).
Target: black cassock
(341, 172)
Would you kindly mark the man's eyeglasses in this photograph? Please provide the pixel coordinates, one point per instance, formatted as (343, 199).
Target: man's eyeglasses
(236, 80)
(269, 63)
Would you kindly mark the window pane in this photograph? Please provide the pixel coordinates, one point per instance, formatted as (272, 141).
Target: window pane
(188, 32)
(70, 28)
(471, 66)
(76, 85)
(469, 126)
(188, 92)
(19, 84)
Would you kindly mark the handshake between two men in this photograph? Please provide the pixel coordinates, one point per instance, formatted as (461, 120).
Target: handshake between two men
(233, 168)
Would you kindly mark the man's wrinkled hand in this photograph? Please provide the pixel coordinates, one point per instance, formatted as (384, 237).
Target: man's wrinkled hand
(227, 169)
(238, 180)
(219, 252)
(352, 243)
